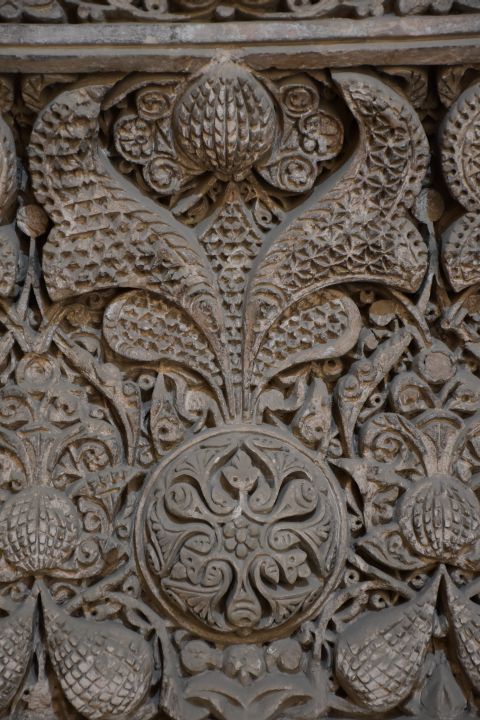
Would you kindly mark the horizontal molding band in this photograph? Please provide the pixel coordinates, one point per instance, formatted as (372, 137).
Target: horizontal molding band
(314, 43)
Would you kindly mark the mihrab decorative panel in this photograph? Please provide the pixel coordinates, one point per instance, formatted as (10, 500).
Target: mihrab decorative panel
(240, 387)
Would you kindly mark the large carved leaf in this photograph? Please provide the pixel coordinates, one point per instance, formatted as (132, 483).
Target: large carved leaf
(353, 389)
(276, 696)
(142, 326)
(106, 233)
(354, 227)
(465, 624)
(378, 657)
(460, 137)
(104, 669)
(9, 248)
(325, 324)
(16, 632)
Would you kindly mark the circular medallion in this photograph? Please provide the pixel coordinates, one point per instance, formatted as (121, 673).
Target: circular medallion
(241, 532)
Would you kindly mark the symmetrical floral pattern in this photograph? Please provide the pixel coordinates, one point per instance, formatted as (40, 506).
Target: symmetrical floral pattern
(223, 10)
(229, 533)
(239, 391)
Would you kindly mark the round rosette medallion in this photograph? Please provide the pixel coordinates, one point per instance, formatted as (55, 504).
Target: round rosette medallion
(241, 532)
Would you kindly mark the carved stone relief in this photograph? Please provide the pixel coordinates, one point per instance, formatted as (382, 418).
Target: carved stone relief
(221, 10)
(239, 394)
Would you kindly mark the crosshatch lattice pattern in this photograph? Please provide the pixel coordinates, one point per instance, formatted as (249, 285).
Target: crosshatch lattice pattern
(239, 394)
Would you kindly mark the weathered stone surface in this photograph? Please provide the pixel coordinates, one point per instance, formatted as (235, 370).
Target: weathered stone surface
(239, 360)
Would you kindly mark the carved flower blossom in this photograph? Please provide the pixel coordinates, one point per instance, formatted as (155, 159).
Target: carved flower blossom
(134, 138)
(260, 531)
(241, 536)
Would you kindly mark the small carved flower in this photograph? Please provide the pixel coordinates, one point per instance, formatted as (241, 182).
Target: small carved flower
(285, 654)
(299, 98)
(241, 537)
(94, 457)
(295, 566)
(163, 175)
(198, 656)
(153, 103)
(323, 134)
(296, 173)
(303, 262)
(134, 138)
(244, 662)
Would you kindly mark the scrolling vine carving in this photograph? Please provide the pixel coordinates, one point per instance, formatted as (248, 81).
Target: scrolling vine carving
(223, 10)
(239, 424)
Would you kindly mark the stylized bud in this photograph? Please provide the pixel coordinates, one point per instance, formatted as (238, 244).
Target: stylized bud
(225, 121)
(39, 529)
(440, 517)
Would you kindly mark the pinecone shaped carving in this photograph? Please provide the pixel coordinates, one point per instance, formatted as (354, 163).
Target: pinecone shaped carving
(440, 517)
(104, 669)
(225, 121)
(15, 649)
(378, 657)
(39, 529)
(465, 623)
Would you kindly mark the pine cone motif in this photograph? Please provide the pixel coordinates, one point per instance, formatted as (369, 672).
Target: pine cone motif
(465, 623)
(225, 121)
(378, 657)
(15, 650)
(39, 529)
(439, 517)
(104, 669)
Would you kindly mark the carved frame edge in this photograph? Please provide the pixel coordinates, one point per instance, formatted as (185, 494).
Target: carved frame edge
(311, 43)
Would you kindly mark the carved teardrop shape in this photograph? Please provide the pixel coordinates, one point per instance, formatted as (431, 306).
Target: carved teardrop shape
(39, 529)
(378, 656)
(225, 121)
(440, 517)
(104, 669)
(465, 623)
(15, 650)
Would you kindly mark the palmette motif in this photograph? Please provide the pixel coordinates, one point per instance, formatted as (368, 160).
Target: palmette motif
(239, 394)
